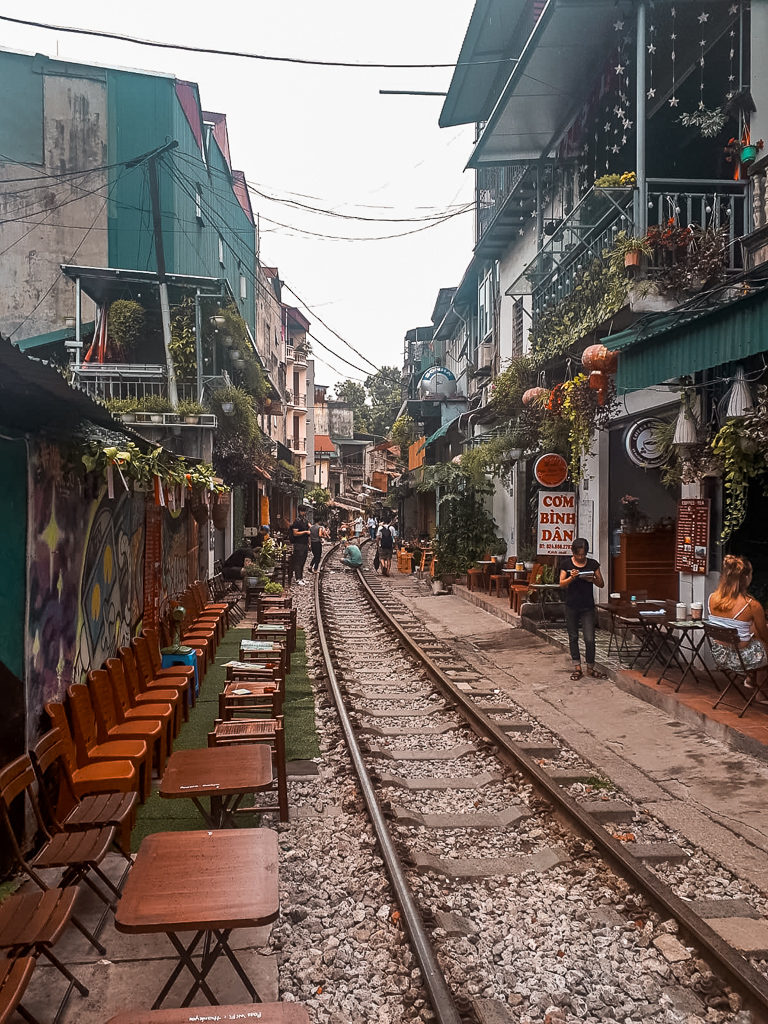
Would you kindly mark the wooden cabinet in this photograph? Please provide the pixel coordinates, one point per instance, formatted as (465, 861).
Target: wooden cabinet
(647, 562)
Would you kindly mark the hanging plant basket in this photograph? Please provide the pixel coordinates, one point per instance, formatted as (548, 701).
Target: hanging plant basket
(220, 512)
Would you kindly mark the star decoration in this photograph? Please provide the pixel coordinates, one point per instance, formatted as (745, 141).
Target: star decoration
(731, 54)
(619, 69)
(701, 105)
(651, 48)
(702, 42)
(618, 111)
(673, 36)
(623, 140)
(673, 12)
(607, 126)
(728, 95)
(673, 101)
(628, 125)
(701, 62)
(731, 78)
(618, 26)
(651, 94)
(614, 149)
(703, 17)
(733, 9)
(673, 55)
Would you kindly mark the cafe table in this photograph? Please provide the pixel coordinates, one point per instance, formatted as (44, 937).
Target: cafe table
(686, 637)
(223, 774)
(256, 1013)
(207, 883)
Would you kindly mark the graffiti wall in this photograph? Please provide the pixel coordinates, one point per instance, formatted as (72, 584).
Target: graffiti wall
(85, 572)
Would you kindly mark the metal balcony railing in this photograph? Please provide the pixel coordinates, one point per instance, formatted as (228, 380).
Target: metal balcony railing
(129, 380)
(301, 401)
(593, 225)
(299, 444)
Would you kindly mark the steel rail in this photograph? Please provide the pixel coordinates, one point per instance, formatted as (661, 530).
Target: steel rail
(746, 977)
(434, 980)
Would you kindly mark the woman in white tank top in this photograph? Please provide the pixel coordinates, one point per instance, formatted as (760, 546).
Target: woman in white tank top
(733, 607)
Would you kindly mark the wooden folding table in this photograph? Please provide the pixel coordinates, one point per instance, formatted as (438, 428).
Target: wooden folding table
(223, 774)
(204, 882)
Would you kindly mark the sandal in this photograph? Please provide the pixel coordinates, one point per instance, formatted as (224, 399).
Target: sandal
(576, 674)
(595, 673)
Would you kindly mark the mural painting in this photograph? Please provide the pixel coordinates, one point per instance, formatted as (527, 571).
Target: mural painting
(175, 554)
(85, 577)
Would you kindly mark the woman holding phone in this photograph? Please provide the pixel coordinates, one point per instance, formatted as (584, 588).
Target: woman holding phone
(578, 575)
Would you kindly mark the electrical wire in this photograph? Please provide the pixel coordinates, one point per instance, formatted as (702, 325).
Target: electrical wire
(188, 48)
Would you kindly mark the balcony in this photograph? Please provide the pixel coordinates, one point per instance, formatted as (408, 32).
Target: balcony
(300, 401)
(298, 444)
(592, 226)
(289, 355)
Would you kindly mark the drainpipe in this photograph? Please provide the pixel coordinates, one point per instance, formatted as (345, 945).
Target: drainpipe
(641, 213)
(78, 321)
(198, 347)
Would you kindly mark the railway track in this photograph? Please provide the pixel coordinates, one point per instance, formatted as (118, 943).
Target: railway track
(522, 899)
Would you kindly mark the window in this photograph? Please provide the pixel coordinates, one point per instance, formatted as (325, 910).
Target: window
(199, 203)
(243, 288)
(221, 250)
(485, 303)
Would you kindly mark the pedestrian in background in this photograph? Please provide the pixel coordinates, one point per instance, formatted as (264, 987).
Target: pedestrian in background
(300, 541)
(358, 528)
(372, 525)
(385, 544)
(316, 535)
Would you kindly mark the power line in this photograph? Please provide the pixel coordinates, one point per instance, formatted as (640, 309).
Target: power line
(187, 48)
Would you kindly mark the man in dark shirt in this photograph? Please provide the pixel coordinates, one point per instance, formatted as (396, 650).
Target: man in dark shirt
(300, 540)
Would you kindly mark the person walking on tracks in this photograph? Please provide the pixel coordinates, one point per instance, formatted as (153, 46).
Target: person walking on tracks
(385, 545)
(316, 534)
(300, 541)
(578, 576)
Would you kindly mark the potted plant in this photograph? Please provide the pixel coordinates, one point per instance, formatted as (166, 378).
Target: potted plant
(273, 588)
(125, 408)
(126, 324)
(527, 552)
(190, 411)
(152, 408)
(627, 250)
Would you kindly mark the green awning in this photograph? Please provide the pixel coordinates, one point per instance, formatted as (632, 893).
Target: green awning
(51, 338)
(441, 431)
(686, 341)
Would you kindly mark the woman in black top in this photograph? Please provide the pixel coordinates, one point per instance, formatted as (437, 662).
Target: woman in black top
(578, 575)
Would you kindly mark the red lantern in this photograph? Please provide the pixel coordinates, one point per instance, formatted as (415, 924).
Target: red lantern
(598, 382)
(533, 395)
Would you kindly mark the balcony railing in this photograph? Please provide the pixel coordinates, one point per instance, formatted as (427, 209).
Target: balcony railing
(298, 444)
(594, 224)
(289, 353)
(301, 401)
(129, 380)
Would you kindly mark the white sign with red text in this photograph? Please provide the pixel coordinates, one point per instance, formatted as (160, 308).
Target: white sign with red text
(557, 522)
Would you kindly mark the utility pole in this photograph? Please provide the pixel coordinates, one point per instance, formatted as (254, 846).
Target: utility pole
(165, 309)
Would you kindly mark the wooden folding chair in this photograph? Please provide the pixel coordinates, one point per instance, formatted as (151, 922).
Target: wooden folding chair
(743, 676)
(85, 731)
(65, 809)
(31, 923)
(78, 855)
(14, 978)
(261, 730)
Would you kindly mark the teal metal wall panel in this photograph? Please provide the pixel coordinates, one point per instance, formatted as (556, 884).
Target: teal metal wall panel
(13, 553)
(726, 335)
(21, 114)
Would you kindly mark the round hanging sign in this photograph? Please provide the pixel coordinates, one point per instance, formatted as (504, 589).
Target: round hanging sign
(550, 470)
(643, 445)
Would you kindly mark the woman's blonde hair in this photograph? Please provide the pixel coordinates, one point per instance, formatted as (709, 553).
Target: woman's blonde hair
(733, 579)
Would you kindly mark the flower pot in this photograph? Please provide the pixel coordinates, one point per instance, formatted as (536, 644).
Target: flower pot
(128, 417)
(156, 417)
(191, 419)
(632, 259)
(748, 155)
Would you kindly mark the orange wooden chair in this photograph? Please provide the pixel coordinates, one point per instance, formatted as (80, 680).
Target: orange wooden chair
(86, 733)
(499, 580)
(116, 776)
(161, 693)
(518, 592)
(129, 709)
(184, 685)
(156, 660)
(14, 978)
(69, 811)
(475, 578)
(111, 726)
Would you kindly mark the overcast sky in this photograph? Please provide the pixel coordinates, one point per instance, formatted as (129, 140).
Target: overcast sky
(322, 136)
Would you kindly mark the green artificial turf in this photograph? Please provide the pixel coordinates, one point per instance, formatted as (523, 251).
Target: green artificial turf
(158, 815)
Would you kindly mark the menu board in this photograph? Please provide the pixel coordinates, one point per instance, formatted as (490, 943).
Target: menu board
(692, 536)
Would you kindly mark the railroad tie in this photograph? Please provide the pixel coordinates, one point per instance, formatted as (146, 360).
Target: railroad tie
(500, 819)
(440, 782)
(431, 754)
(486, 867)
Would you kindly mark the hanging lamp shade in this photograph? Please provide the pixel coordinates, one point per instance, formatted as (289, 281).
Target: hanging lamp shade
(686, 428)
(740, 397)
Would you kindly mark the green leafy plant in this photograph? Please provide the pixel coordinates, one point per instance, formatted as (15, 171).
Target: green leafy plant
(509, 386)
(581, 410)
(403, 433)
(182, 345)
(466, 529)
(118, 406)
(628, 179)
(623, 245)
(153, 403)
(318, 496)
(743, 460)
(273, 588)
(709, 122)
(188, 407)
(126, 324)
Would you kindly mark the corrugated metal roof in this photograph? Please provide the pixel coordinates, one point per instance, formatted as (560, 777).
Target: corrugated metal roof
(688, 340)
